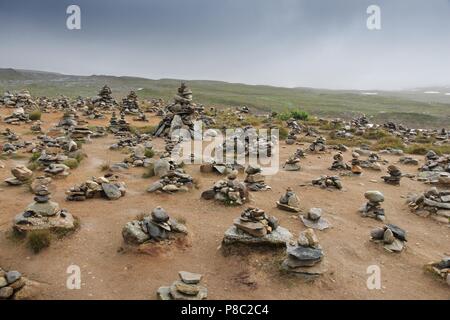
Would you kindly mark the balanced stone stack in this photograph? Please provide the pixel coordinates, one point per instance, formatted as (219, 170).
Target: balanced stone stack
(43, 214)
(18, 100)
(440, 268)
(186, 289)
(372, 162)
(291, 138)
(21, 175)
(338, 163)
(325, 182)
(230, 191)
(14, 286)
(104, 100)
(304, 256)
(17, 117)
(80, 133)
(372, 208)
(432, 202)
(289, 201)
(57, 170)
(180, 113)
(68, 120)
(130, 104)
(292, 164)
(173, 181)
(107, 187)
(356, 164)
(254, 226)
(392, 237)
(318, 145)
(394, 175)
(314, 219)
(255, 179)
(157, 226)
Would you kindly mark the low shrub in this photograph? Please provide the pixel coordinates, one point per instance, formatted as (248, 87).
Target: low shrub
(35, 115)
(38, 240)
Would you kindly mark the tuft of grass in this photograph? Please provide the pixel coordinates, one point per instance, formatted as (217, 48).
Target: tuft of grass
(375, 134)
(149, 153)
(105, 166)
(296, 114)
(38, 240)
(35, 156)
(35, 115)
(353, 142)
(422, 149)
(389, 142)
(72, 163)
(33, 166)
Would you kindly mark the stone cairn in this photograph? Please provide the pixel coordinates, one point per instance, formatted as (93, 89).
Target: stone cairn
(53, 164)
(292, 163)
(394, 175)
(255, 179)
(356, 164)
(14, 286)
(219, 167)
(372, 162)
(186, 289)
(254, 226)
(18, 100)
(372, 208)
(107, 187)
(230, 191)
(155, 227)
(440, 268)
(17, 117)
(21, 175)
(339, 163)
(119, 127)
(326, 182)
(68, 120)
(104, 100)
(431, 202)
(141, 155)
(289, 201)
(130, 104)
(179, 113)
(318, 145)
(172, 178)
(304, 256)
(43, 214)
(314, 219)
(392, 237)
(80, 133)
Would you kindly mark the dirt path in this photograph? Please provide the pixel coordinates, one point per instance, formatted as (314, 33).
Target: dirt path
(110, 273)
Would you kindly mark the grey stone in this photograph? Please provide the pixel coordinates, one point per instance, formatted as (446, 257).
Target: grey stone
(111, 191)
(161, 167)
(6, 292)
(132, 233)
(189, 277)
(278, 237)
(374, 196)
(13, 276)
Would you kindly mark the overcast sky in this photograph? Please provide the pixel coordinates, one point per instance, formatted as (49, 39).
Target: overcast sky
(307, 43)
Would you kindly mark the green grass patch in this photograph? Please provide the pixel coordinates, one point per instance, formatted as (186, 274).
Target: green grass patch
(38, 240)
(35, 115)
(72, 163)
(388, 142)
(422, 149)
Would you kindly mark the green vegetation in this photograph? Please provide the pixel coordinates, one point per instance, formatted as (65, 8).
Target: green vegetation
(295, 114)
(71, 163)
(38, 240)
(149, 171)
(422, 149)
(388, 142)
(35, 115)
(149, 153)
(105, 166)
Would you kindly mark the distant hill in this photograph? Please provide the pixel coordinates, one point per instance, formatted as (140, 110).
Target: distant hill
(414, 107)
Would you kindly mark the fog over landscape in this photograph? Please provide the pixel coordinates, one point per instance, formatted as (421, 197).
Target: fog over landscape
(304, 43)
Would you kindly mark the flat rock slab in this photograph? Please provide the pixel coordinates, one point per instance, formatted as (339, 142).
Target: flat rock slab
(308, 273)
(285, 207)
(189, 277)
(320, 224)
(279, 237)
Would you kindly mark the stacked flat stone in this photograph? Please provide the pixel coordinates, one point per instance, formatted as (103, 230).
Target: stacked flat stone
(372, 208)
(392, 237)
(394, 175)
(339, 163)
(229, 191)
(107, 187)
(255, 179)
(325, 182)
(318, 145)
(432, 202)
(21, 175)
(157, 226)
(188, 288)
(289, 201)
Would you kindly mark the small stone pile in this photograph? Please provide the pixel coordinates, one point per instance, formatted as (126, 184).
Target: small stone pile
(318, 145)
(394, 175)
(254, 226)
(440, 268)
(68, 120)
(392, 237)
(313, 219)
(433, 162)
(14, 286)
(107, 187)
(292, 163)
(230, 191)
(356, 164)
(372, 208)
(325, 182)
(406, 160)
(43, 214)
(255, 179)
(431, 202)
(21, 175)
(339, 163)
(130, 104)
(220, 168)
(104, 100)
(172, 180)
(17, 117)
(80, 133)
(289, 201)
(157, 227)
(186, 289)
(18, 100)
(139, 153)
(304, 256)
